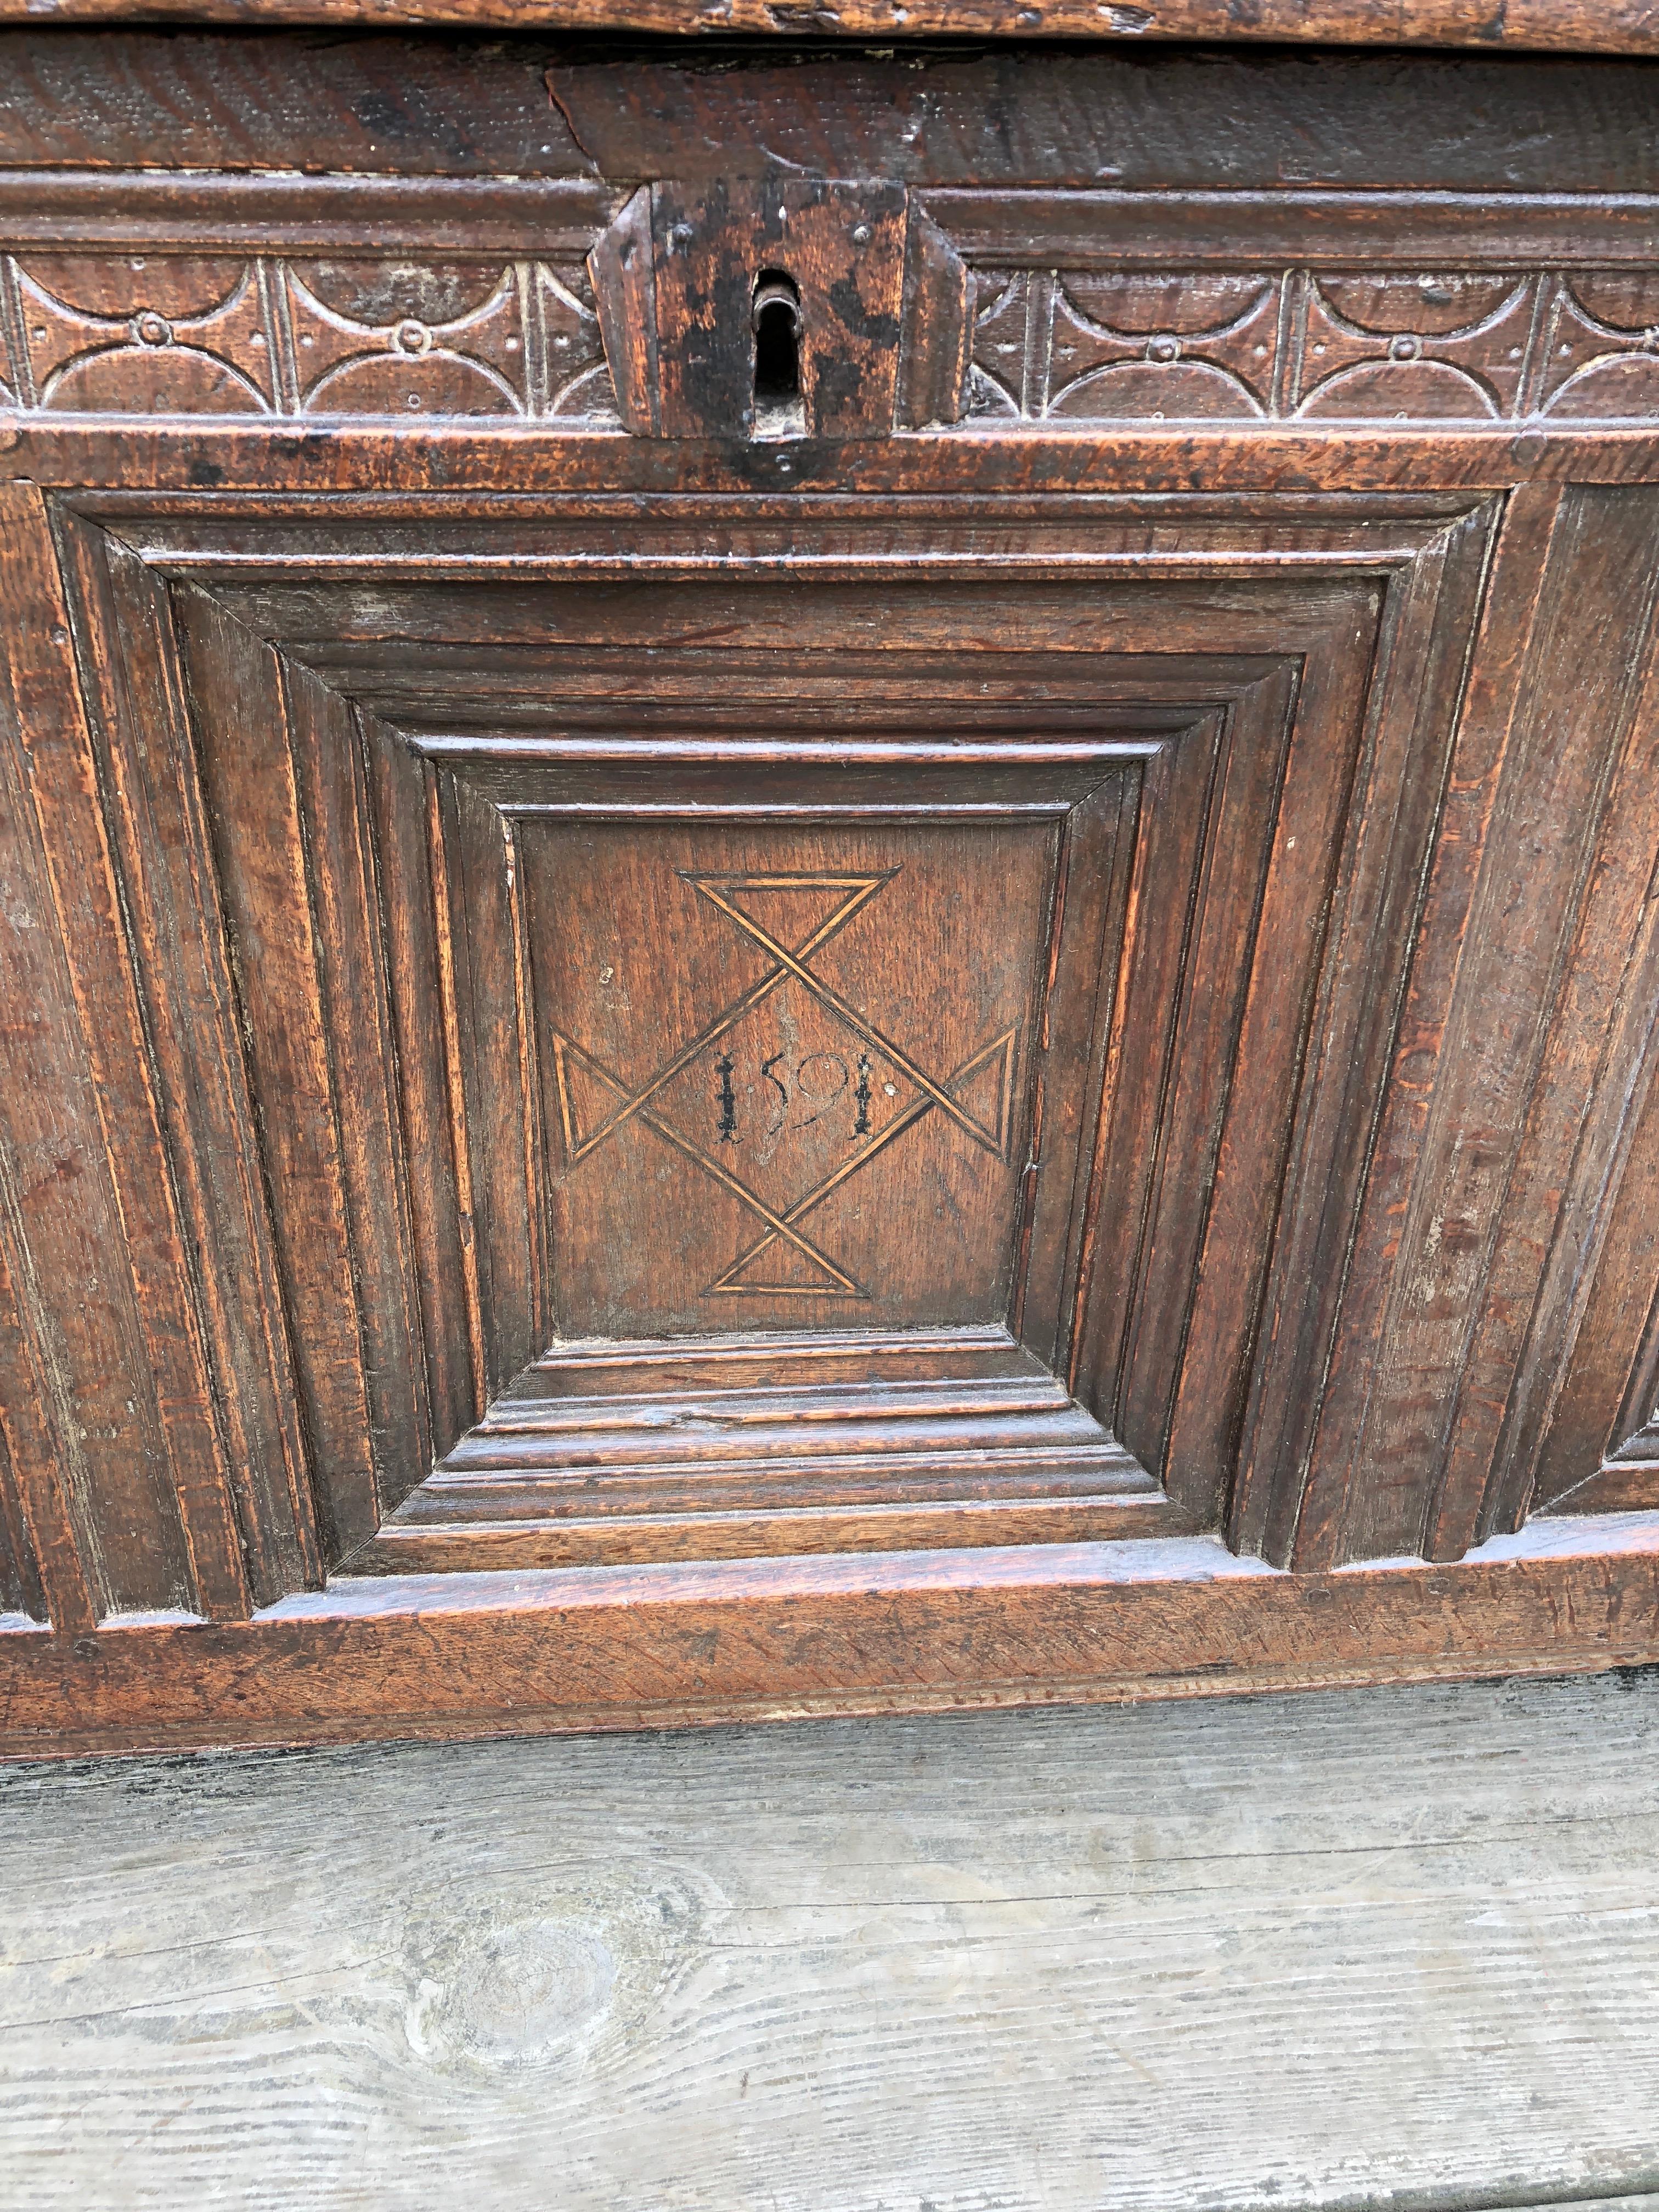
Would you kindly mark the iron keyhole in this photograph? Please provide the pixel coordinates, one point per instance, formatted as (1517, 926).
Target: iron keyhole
(779, 404)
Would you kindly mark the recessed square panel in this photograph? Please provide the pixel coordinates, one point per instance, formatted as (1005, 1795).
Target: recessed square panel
(842, 1100)
(785, 1068)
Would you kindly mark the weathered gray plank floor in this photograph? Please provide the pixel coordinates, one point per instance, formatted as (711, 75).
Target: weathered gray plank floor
(1392, 1946)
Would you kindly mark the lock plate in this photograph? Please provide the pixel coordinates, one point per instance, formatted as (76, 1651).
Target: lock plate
(675, 281)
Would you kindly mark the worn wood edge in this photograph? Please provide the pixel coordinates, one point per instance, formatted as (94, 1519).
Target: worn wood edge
(1482, 2200)
(89, 453)
(670, 1716)
(1627, 26)
(608, 1648)
(296, 1731)
(1028, 221)
(1590, 2198)
(553, 218)
(1616, 1486)
(450, 1543)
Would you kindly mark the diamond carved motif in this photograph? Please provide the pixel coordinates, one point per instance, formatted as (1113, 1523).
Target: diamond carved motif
(850, 1063)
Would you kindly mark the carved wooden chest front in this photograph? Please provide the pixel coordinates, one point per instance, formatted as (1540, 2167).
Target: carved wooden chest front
(827, 876)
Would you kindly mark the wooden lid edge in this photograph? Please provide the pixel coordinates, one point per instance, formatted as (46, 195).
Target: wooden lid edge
(1577, 26)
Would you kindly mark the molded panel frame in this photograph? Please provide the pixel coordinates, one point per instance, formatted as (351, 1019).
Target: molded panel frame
(1079, 1620)
(1314, 678)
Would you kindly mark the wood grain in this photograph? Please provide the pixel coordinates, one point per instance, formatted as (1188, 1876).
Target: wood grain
(1549, 26)
(1378, 681)
(400, 106)
(263, 859)
(1090, 119)
(1226, 882)
(1048, 1962)
(1410, 251)
(169, 887)
(600, 481)
(1603, 1410)
(1450, 1236)
(115, 1349)
(699, 1448)
(666, 1645)
(400, 797)
(1185, 573)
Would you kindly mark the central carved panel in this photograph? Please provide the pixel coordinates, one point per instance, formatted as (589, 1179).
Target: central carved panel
(722, 1089)
(784, 1069)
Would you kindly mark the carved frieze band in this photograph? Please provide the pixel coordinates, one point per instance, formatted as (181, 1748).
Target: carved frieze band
(165, 334)
(156, 333)
(1206, 345)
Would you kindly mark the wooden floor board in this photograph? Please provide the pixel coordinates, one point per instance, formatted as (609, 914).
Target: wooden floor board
(1393, 1948)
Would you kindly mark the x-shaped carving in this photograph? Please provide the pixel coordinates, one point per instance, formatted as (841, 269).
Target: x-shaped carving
(721, 892)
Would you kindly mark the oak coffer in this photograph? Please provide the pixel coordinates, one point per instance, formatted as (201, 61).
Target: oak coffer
(828, 872)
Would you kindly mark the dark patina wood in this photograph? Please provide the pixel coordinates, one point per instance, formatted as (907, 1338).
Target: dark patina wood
(1561, 26)
(828, 882)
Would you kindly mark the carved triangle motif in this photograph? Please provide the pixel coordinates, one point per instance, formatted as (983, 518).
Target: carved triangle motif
(790, 916)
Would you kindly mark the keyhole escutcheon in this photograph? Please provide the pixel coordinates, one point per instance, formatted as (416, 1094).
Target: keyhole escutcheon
(776, 319)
